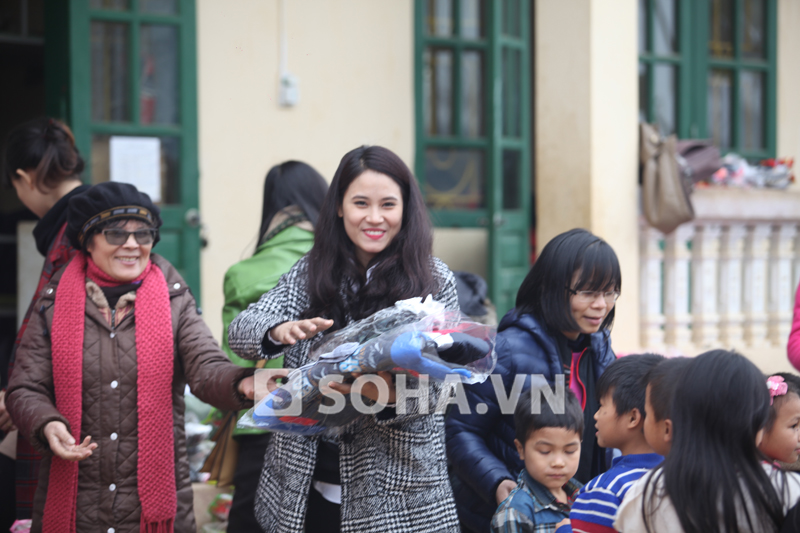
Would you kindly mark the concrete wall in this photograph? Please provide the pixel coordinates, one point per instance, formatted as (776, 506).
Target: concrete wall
(788, 111)
(587, 135)
(354, 62)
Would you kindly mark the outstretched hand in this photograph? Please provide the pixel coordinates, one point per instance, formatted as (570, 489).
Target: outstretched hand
(247, 387)
(293, 331)
(63, 444)
(369, 389)
(6, 424)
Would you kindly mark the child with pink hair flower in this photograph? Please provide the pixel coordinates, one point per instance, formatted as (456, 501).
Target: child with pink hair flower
(781, 441)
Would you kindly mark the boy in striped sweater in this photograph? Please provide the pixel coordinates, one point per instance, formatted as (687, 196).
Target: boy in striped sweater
(620, 424)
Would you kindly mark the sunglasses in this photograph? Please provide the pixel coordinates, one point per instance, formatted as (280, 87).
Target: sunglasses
(119, 237)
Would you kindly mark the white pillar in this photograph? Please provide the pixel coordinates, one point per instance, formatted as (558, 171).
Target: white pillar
(781, 289)
(730, 285)
(585, 137)
(756, 251)
(651, 291)
(705, 264)
(677, 258)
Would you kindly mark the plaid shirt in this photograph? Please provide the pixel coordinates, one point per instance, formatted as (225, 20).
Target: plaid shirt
(531, 508)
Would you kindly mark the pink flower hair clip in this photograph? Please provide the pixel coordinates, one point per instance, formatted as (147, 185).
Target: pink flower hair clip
(777, 387)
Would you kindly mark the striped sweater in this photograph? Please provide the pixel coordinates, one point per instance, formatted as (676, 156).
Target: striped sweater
(597, 502)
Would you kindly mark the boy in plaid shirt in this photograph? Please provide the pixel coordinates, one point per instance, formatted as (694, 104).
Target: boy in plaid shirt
(550, 446)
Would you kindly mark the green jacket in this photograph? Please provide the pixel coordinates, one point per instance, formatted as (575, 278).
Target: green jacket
(247, 280)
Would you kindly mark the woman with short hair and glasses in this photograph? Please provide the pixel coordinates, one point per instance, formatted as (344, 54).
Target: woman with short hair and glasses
(101, 373)
(560, 325)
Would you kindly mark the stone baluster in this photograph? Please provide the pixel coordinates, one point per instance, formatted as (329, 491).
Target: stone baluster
(705, 275)
(756, 253)
(781, 288)
(677, 257)
(651, 292)
(730, 285)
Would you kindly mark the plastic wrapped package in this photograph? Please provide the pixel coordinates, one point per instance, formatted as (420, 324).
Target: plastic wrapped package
(414, 337)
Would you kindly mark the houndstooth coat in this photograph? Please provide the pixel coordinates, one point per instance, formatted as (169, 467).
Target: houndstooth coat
(393, 468)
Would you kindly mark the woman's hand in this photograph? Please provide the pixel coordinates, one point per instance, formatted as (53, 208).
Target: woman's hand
(564, 522)
(63, 445)
(6, 424)
(504, 489)
(247, 387)
(293, 331)
(369, 389)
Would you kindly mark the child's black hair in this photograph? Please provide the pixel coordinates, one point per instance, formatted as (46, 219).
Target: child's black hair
(663, 378)
(526, 422)
(714, 476)
(792, 387)
(623, 378)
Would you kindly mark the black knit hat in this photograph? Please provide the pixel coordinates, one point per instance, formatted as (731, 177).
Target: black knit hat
(110, 200)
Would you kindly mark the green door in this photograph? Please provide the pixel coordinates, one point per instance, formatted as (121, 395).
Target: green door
(122, 73)
(472, 82)
(510, 188)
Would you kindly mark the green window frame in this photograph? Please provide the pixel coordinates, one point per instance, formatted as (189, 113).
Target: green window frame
(698, 59)
(505, 103)
(485, 125)
(70, 94)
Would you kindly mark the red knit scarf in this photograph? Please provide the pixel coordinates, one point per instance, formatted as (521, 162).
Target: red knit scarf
(154, 359)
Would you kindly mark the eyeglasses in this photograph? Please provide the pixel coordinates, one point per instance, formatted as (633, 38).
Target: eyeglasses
(588, 297)
(119, 237)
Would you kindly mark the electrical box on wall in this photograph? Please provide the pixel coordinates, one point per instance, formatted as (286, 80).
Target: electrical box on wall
(289, 90)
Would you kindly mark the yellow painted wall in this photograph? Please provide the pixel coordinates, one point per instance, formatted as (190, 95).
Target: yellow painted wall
(788, 110)
(587, 134)
(354, 62)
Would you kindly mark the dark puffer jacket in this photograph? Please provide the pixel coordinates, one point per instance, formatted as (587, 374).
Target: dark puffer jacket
(481, 447)
(109, 402)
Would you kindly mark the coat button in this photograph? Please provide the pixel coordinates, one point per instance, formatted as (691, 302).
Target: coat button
(347, 438)
(112, 487)
(176, 286)
(113, 436)
(113, 335)
(111, 530)
(114, 384)
(49, 291)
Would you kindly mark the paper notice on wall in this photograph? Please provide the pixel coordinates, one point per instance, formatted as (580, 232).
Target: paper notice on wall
(137, 160)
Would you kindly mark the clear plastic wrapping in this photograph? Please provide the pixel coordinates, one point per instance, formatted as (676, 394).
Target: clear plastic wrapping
(414, 337)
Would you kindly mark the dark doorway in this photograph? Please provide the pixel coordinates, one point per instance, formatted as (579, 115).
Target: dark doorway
(22, 93)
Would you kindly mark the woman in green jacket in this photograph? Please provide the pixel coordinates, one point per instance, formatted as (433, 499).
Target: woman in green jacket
(293, 193)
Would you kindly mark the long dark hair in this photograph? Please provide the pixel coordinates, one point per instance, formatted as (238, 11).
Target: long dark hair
(545, 291)
(719, 406)
(402, 270)
(45, 145)
(291, 183)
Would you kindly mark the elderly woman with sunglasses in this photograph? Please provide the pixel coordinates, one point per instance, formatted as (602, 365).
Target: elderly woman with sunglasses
(101, 372)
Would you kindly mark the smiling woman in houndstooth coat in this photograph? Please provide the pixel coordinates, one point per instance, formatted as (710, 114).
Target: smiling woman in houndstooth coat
(386, 471)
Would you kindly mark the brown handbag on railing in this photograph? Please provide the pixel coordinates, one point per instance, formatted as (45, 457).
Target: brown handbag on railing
(665, 196)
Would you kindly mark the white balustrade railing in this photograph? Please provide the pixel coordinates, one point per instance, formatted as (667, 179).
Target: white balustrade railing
(726, 279)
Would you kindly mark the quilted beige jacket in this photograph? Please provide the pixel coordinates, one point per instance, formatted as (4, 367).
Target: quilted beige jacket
(107, 483)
